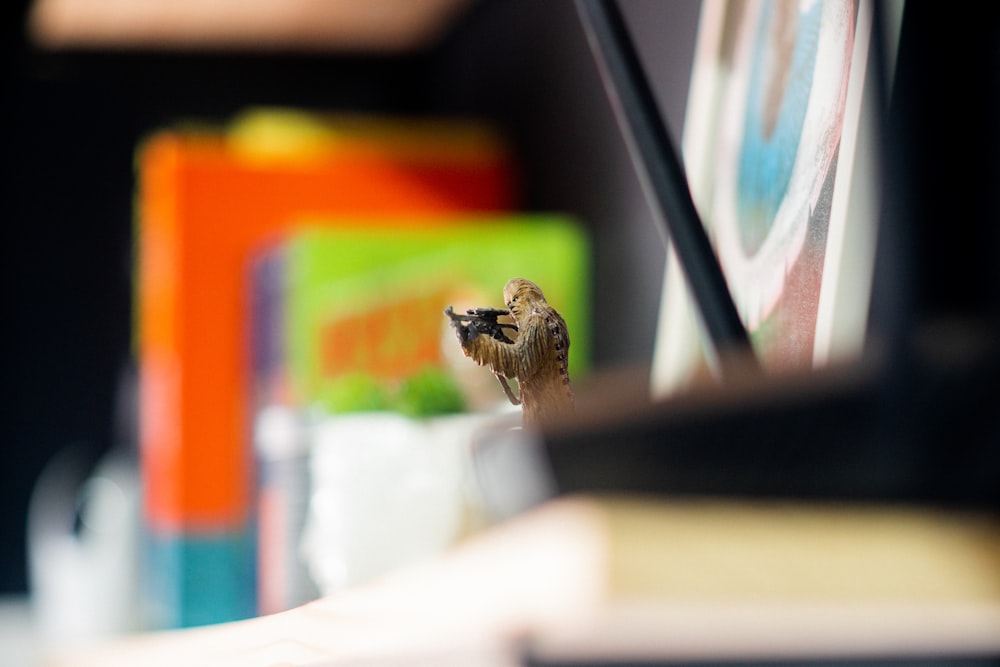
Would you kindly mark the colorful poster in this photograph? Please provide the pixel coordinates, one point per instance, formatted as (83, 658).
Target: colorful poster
(773, 147)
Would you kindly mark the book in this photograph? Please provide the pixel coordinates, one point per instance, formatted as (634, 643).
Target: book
(351, 297)
(207, 198)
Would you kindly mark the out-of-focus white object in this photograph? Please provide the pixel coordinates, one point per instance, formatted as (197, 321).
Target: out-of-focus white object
(83, 544)
(512, 473)
(353, 25)
(387, 490)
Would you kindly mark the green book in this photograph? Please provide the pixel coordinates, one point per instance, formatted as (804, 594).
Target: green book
(335, 303)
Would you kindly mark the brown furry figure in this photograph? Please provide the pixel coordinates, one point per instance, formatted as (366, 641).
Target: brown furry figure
(538, 357)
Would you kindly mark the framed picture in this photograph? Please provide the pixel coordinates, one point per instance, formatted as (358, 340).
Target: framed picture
(780, 155)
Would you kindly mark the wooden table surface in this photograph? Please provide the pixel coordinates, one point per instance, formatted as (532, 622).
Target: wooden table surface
(560, 581)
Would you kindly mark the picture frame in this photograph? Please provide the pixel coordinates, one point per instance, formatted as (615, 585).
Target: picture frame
(779, 146)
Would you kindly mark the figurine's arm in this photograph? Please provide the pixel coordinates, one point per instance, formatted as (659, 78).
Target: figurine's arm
(511, 360)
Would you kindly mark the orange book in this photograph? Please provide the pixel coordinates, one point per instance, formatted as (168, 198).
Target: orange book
(207, 201)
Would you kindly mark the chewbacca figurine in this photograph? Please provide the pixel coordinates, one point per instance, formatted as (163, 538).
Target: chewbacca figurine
(538, 357)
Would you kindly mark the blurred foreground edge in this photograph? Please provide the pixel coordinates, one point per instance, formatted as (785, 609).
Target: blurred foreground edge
(924, 436)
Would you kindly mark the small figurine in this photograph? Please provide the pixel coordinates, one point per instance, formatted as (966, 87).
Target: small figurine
(538, 357)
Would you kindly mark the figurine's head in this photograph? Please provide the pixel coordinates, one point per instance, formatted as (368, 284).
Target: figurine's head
(521, 295)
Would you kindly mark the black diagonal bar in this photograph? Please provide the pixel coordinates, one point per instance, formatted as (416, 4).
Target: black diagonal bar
(662, 172)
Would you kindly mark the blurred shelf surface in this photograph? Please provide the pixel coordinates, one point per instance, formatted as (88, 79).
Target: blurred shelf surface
(547, 588)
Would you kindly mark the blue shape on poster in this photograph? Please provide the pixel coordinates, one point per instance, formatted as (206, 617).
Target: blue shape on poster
(773, 124)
